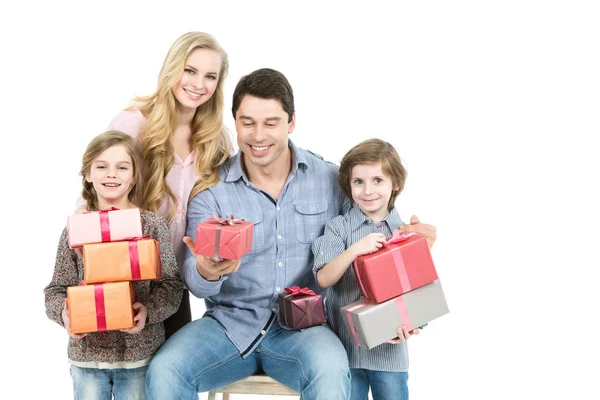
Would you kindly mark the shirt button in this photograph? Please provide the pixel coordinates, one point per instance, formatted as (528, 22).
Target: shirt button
(278, 208)
(263, 332)
(280, 264)
(278, 289)
(279, 237)
(274, 309)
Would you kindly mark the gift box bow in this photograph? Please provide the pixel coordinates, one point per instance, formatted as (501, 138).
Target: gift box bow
(230, 220)
(297, 291)
(398, 236)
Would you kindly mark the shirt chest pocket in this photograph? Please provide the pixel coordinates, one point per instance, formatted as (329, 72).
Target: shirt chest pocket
(310, 218)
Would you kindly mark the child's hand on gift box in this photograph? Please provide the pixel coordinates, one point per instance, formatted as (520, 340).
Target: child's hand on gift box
(429, 231)
(404, 334)
(367, 245)
(209, 268)
(67, 323)
(139, 319)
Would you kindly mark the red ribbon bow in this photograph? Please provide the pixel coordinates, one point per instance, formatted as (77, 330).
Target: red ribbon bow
(398, 236)
(226, 221)
(297, 290)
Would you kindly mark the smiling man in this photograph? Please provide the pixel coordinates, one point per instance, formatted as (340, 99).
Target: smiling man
(289, 194)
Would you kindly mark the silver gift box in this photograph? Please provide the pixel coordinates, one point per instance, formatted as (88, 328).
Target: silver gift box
(375, 324)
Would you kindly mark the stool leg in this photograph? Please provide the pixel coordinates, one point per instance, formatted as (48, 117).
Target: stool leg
(212, 395)
(225, 396)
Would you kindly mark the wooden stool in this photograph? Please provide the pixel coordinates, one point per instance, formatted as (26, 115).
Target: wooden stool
(255, 384)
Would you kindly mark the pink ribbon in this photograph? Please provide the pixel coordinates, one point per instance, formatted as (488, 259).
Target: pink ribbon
(100, 311)
(398, 236)
(403, 313)
(398, 260)
(104, 222)
(351, 322)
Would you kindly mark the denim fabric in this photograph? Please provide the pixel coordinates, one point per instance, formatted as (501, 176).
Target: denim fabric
(384, 385)
(101, 384)
(311, 361)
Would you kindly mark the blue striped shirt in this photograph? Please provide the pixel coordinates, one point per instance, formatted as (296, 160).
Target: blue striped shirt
(340, 233)
(245, 302)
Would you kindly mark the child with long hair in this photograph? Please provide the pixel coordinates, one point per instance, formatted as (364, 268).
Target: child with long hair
(179, 129)
(371, 175)
(115, 362)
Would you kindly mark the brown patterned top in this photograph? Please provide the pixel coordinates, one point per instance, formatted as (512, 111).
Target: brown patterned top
(161, 298)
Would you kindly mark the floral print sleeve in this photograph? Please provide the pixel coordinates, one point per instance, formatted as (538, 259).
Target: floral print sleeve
(66, 273)
(165, 293)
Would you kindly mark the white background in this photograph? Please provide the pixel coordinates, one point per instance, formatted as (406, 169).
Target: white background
(493, 106)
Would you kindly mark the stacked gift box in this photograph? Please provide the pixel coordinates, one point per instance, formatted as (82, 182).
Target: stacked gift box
(114, 255)
(400, 286)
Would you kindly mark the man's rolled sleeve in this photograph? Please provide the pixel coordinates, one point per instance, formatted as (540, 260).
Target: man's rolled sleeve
(195, 283)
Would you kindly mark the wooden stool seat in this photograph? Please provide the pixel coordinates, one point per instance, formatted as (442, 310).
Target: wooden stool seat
(255, 384)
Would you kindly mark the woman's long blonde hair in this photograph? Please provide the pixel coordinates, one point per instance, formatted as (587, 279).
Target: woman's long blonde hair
(99, 145)
(211, 142)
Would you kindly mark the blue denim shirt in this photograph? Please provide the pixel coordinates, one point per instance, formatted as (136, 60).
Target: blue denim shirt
(245, 302)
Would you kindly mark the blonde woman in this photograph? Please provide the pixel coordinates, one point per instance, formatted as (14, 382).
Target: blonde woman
(180, 131)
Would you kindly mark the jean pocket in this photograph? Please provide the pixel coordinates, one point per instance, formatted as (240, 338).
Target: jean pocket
(310, 217)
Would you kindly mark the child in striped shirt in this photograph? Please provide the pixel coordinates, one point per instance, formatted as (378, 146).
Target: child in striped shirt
(371, 175)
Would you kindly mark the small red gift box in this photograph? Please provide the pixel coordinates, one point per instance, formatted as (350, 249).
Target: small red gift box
(226, 238)
(300, 308)
(404, 263)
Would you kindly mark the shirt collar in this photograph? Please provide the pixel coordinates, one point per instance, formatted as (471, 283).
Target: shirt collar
(356, 218)
(236, 169)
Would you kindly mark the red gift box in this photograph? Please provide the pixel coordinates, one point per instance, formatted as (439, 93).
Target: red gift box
(301, 308)
(404, 263)
(226, 238)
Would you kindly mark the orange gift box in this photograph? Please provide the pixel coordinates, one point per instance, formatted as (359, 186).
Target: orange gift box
(132, 260)
(101, 307)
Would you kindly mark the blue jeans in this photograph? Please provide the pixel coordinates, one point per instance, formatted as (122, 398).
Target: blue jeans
(200, 357)
(101, 384)
(384, 385)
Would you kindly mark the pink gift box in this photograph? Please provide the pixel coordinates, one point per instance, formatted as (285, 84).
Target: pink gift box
(402, 265)
(301, 308)
(104, 226)
(226, 238)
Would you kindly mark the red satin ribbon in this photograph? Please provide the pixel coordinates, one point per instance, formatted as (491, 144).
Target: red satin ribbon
(100, 311)
(297, 290)
(104, 222)
(134, 260)
(134, 257)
